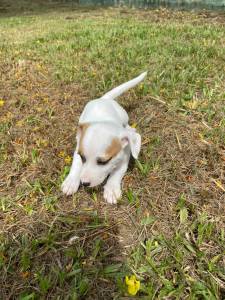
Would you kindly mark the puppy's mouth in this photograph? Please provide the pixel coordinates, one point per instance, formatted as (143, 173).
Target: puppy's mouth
(97, 185)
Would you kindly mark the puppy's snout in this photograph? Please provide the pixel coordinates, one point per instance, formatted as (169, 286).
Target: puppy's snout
(86, 183)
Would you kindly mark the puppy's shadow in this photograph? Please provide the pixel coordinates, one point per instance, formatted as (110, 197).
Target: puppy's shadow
(131, 164)
(129, 106)
(80, 244)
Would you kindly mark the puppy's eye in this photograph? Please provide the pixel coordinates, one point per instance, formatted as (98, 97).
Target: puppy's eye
(83, 158)
(102, 162)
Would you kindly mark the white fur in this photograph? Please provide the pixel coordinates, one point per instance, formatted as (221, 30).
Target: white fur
(107, 121)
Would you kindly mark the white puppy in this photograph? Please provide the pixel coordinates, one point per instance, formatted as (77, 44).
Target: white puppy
(104, 143)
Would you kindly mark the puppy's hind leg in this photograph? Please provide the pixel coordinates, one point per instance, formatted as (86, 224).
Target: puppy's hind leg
(71, 184)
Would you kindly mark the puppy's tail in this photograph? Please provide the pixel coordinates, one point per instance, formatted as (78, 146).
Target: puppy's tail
(124, 87)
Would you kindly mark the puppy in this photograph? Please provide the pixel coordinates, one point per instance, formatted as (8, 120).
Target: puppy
(104, 144)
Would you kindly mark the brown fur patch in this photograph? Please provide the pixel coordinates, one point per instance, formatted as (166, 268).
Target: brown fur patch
(113, 149)
(81, 131)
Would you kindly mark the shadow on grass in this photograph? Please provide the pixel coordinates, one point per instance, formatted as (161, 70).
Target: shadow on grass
(74, 256)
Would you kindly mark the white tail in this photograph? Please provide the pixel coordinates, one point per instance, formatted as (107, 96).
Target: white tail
(124, 87)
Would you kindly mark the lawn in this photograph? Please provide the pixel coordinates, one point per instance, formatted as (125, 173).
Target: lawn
(168, 227)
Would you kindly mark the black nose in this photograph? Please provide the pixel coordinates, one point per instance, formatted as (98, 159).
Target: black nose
(86, 183)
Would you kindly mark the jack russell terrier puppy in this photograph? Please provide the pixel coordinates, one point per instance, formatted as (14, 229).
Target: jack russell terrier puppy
(104, 144)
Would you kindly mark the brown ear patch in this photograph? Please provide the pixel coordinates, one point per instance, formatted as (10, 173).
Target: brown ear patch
(82, 128)
(113, 149)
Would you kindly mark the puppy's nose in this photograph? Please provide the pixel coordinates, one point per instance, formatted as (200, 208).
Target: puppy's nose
(86, 183)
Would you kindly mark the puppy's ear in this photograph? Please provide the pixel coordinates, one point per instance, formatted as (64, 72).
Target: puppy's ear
(80, 134)
(131, 137)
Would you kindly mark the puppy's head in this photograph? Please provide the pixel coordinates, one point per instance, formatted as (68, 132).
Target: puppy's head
(103, 147)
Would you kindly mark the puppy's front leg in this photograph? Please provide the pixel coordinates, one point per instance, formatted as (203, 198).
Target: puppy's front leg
(71, 184)
(112, 189)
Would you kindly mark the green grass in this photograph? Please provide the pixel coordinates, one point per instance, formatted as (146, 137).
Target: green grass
(168, 228)
(181, 266)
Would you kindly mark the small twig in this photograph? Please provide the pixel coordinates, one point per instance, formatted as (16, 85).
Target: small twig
(157, 99)
(218, 184)
(219, 281)
(178, 141)
(100, 231)
(131, 218)
(68, 137)
(206, 125)
(145, 142)
(205, 142)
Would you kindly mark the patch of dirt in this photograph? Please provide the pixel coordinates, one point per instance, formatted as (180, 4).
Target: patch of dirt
(164, 14)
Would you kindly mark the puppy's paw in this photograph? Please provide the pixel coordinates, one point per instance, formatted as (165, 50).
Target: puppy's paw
(112, 192)
(70, 185)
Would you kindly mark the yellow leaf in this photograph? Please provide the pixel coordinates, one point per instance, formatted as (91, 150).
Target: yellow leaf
(39, 109)
(192, 104)
(141, 86)
(2, 102)
(24, 275)
(62, 154)
(20, 123)
(134, 125)
(219, 184)
(68, 159)
(42, 142)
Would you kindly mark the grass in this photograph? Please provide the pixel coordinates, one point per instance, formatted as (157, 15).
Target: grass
(168, 228)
